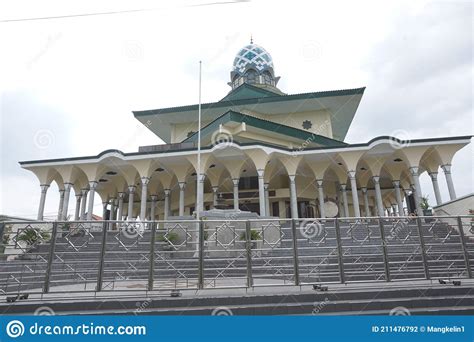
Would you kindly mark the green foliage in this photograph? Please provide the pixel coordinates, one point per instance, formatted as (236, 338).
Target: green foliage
(171, 238)
(254, 235)
(31, 236)
(424, 203)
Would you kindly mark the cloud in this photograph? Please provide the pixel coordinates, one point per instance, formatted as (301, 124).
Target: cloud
(71, 84)
(420, 82)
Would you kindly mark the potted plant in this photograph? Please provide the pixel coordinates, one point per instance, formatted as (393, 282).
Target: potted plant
(254, 237)
(425, 206)
(168, 240)
(30, 237)
(5, 238)
(66, 227)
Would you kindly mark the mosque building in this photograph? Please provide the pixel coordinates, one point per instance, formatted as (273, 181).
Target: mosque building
(261, 150)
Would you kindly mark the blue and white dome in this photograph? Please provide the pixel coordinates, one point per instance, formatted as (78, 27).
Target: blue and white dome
(253, 65)
(254, 57)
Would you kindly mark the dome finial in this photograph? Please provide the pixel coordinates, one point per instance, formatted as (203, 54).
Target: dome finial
(251, 39)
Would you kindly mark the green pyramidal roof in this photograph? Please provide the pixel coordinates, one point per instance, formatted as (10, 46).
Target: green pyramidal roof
(248, 91)
(341, 104)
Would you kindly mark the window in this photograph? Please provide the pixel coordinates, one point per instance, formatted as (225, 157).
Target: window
(267, 78)
(251, 76)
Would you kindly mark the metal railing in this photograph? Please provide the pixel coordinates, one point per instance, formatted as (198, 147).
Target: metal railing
(81, 256)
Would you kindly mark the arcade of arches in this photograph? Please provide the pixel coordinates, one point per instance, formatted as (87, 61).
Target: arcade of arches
(374, 179)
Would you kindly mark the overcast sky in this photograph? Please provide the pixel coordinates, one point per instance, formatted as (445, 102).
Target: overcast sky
(68, 86)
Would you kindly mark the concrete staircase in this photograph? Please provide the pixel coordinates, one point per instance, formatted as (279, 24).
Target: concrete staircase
(356, 300)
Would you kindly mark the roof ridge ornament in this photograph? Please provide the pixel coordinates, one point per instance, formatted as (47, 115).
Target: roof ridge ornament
(251, 39)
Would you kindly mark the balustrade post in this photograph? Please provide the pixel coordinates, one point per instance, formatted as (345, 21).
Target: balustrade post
(151, 268)
(100, 272)
(248, 248)
(52, 245)
(423, 249)
(340, 256)
(384, 250)
(295, 253)
(464, 248)
(201, 256)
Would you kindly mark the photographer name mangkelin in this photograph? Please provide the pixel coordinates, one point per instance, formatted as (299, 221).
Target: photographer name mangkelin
(445, 329)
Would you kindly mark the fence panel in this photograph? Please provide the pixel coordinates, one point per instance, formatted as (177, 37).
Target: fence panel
(225, 254)
(76, 257)
(272, 253)
(66, 257)
(362, 250)
(24, 253)
(444, 248)
(318, 256)
(405, 259)
(176, 255)
(126, 257)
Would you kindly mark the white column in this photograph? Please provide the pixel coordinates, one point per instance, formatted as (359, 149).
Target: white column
(67, 191)
(120, 196)
(143, 201)
(236, 193)
(416, 179)
(215, 190)
(201, 192)
(378, 195)
(261, 193)
(131, 192)
(344, 200)
(90, 209)
(366, 202)
(293, 197)
(267, 199)
(104, 210)
(395, 210)
(44, 190)
(340, 205)
(167, 204)
(77, 211)
(112, 209)
(355, 195)
(319, 182)
(154, 199)
(84, 193)
(449, 180)
(182, 186)
(412, 192)
(61, 203)
(434, 180)
(398, 196)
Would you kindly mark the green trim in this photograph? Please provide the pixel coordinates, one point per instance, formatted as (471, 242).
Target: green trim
(465, 137)
(276, 98)
(266, 125)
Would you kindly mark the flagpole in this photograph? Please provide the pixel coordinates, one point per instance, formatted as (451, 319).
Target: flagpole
(198, 173)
